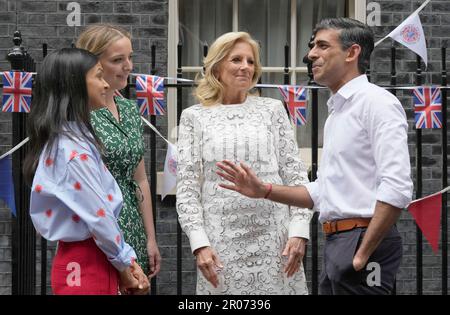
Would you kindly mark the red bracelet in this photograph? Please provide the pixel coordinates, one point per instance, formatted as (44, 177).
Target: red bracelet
(269, 190)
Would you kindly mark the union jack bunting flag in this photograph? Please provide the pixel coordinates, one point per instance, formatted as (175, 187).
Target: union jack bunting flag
(427, 107)
(150, 95)
(295, 98)
(17, 91)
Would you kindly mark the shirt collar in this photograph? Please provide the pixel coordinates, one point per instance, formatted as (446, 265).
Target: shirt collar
(338, 99)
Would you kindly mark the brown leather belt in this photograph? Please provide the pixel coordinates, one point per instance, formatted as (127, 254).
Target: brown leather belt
(331, 227)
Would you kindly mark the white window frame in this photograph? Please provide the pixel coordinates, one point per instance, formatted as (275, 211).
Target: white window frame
(356, 10)
(172, 54)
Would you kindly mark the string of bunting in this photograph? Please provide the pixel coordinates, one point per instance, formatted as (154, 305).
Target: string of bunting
(426, 211)
(17, 90)
(427, 100)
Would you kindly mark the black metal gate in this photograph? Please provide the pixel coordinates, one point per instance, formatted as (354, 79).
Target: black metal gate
(24, 236)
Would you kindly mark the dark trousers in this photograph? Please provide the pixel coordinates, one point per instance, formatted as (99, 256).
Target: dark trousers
(338, 277)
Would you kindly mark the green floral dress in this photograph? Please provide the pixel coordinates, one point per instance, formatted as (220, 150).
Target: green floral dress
(124, 149)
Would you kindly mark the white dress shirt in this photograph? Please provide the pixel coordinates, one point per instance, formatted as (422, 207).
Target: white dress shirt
(365, 154)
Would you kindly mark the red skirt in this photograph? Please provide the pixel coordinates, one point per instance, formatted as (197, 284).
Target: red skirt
(82, 268)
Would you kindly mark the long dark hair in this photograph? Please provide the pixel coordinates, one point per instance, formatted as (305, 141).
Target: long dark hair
(59, 96)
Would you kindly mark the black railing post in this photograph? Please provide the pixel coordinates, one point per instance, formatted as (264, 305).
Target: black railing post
(16, 57)
(314, 107)
(444, 215)
(259, 80)
(153, 171)
(127, 90)
(23, 232)
(179, 231)
(286, 79)
(205, 51)
(43, 240)
(394, 92)
(393, 70)
(419, 273)
(286, 64)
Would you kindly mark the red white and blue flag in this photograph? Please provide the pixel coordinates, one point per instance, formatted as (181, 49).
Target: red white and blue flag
(427, 107)
(427, 212)
(150, 95)
(17, 91)
(295, 98)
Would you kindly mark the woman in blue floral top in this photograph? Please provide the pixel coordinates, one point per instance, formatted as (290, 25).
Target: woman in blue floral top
(74, 199)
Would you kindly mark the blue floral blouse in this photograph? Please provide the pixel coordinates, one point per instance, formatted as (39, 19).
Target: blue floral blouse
(75, 197)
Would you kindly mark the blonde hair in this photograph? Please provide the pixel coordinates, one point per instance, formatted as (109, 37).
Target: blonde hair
(97, 37)
(209, 90)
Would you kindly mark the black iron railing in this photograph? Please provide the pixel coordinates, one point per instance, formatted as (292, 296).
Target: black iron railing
(23, 234)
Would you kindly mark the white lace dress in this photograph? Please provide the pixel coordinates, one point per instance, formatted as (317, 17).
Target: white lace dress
(248, 235)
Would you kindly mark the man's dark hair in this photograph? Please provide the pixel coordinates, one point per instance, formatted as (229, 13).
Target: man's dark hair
(352, 32)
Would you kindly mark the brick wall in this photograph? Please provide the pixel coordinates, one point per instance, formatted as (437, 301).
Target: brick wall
(45, 21)
(436, 24)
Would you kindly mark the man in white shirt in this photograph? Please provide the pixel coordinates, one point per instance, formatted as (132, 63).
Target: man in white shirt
(364, 176)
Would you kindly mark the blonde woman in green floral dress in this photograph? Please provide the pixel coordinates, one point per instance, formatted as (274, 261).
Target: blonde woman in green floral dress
(120, 129)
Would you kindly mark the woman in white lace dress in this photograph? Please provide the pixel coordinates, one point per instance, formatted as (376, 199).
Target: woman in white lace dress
(239, 243)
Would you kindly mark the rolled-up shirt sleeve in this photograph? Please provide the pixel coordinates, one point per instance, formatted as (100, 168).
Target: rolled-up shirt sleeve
(388, 135)
(313, 190)
(83, 192)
